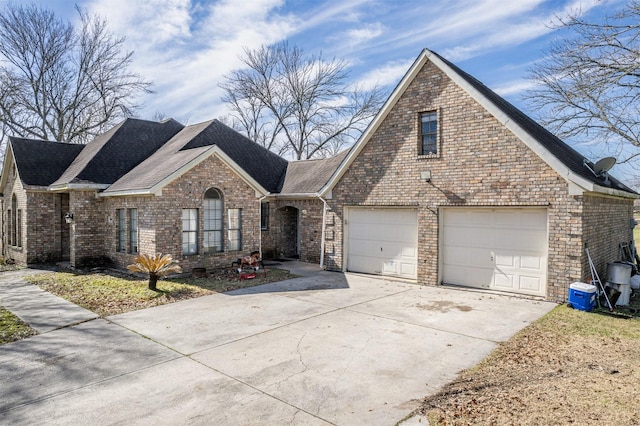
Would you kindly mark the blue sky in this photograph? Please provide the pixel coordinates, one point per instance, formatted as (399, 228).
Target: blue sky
(185, 47)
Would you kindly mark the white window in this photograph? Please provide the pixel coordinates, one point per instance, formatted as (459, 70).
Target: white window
(235, 229)
(121, 230)
(133, 231)
(189, 231)
(429, 133)
(212, 241)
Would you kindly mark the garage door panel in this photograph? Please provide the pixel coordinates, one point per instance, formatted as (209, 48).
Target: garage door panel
(362, 248)
(388, 238)
(470, 276)
(475, 257)
(365, 263)
(514, 239)
(531, 284)
(504, 281)
(505, 219)
(408, 269)
(506, 260)
(531, 262)
(534, 220)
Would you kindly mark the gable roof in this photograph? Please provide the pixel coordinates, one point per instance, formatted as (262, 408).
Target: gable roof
(40, 163)
(261, 168)
(309, 176)
(114, 153)
(264, 166)
(566, 161)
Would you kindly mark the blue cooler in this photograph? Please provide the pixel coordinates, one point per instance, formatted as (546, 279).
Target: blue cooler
(582, 296)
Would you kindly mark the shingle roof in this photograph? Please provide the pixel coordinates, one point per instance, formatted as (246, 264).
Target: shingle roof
(562, 151)
(261, 164)
(309, 176)
(114, 153)
(39, 162)
(265, 167)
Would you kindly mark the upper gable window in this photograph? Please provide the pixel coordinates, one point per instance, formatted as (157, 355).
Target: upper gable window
(429, 133)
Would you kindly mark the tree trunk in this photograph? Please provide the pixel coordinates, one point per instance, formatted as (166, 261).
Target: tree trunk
(153, 280)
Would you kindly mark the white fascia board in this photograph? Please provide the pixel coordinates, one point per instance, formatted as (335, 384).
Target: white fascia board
(140, 192)
(614, 192)
(214, 150)
(8, 159)
(79, 187)
(376, 122)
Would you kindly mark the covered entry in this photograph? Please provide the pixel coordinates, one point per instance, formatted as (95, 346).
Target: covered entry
(496, 248)
(382, 241)
(288, 239)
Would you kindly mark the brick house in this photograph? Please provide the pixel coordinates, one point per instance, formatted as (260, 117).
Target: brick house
(449, 184)
(452, 184)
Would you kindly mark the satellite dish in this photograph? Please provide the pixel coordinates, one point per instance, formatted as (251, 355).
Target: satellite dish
(603, 165)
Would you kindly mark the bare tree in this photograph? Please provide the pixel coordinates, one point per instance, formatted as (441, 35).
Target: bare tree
(299, 106)
(62, 83)
(588, 84)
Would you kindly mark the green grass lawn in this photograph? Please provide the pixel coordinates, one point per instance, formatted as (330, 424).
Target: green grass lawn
(12, 328)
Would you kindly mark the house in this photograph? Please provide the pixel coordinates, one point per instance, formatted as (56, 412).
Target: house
(449, 184)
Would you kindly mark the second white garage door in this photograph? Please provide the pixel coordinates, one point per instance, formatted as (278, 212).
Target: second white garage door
(502, 249)
(383, 241)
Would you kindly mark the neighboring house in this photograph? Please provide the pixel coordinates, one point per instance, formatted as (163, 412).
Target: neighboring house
(449, 184)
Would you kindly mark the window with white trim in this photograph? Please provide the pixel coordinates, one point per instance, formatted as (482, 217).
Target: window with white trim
(235, 229)
(121, 230)
(189, 231)
(264, 215)
(429, 133)
(212, 238)
(133, 231)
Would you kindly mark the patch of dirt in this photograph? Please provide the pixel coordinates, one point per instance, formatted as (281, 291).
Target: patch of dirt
(443, 306)
(571, 367)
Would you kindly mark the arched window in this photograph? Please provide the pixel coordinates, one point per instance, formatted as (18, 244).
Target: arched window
(213, 209)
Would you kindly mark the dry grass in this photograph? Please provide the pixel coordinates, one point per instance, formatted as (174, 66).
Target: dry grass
(570, 367)
(114, 293)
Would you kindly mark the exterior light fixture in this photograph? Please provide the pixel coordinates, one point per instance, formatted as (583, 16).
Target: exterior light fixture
(426, 176)
(68, 217)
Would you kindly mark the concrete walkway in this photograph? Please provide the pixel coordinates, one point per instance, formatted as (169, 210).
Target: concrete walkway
(326, 348)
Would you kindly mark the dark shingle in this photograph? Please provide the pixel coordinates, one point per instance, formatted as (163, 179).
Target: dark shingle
(261, 164)
(40, 163)
(566, 154)
(113, 154)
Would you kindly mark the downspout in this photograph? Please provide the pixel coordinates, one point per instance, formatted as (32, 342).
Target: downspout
(324, 225)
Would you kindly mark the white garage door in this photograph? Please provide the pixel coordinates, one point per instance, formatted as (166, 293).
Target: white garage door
(383, 241)
(501, 249)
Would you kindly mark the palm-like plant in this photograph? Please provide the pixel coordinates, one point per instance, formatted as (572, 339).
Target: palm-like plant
(156, 266)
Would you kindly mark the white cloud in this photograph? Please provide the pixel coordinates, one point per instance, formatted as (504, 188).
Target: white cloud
(515, 87)
(386, 75)
(186, 46)
(148, 22)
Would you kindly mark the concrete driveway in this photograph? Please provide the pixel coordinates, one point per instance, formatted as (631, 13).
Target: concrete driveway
(325, 349)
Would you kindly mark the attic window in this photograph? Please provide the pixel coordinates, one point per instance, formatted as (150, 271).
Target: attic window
(429, 133)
